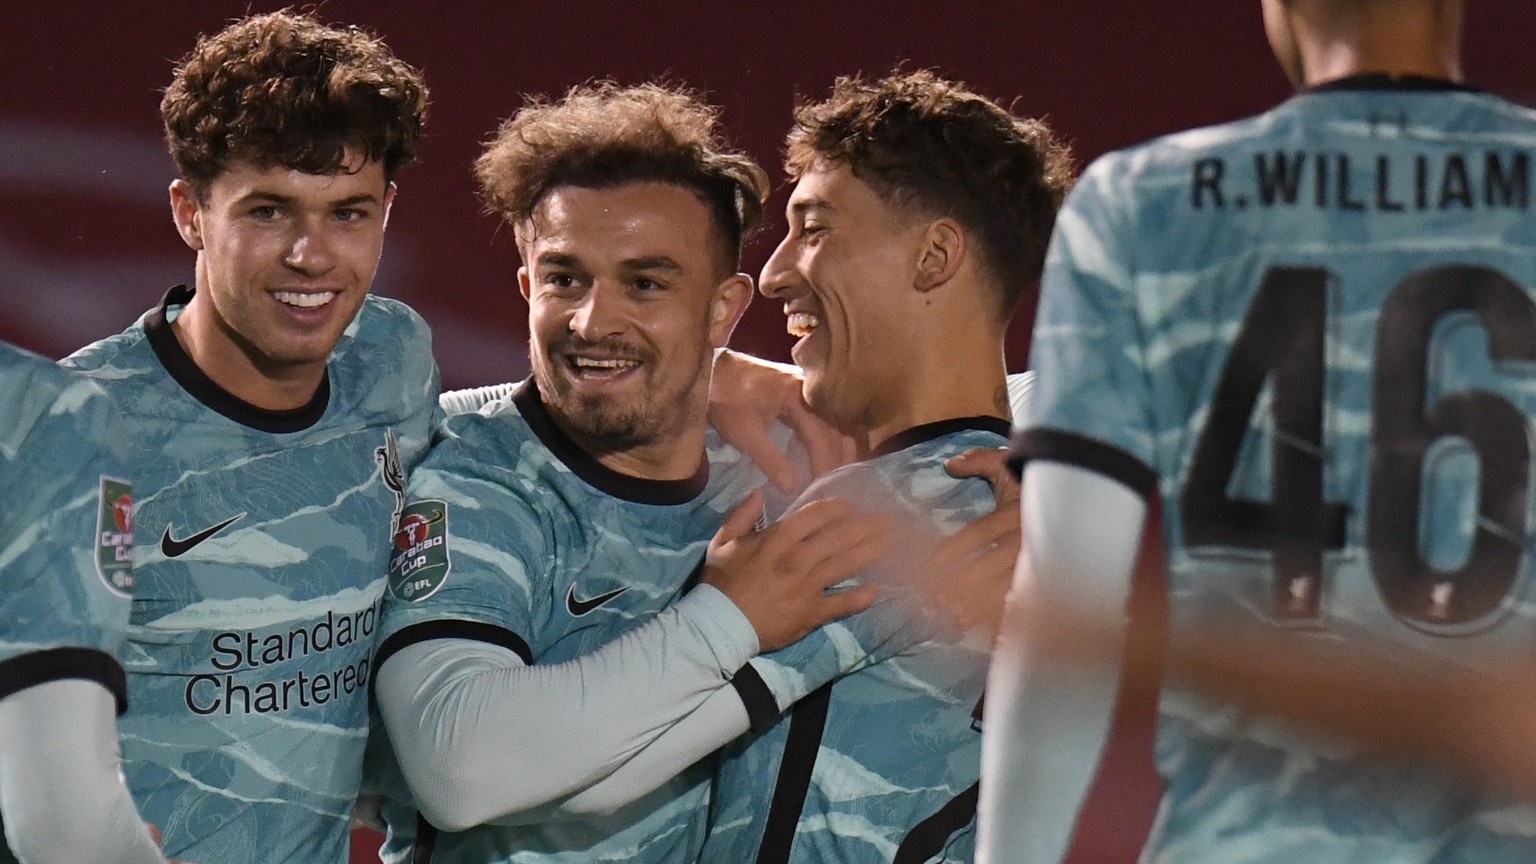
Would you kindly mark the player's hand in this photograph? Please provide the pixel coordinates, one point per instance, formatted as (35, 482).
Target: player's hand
(779, 576)
(747, 395)
(972, 569)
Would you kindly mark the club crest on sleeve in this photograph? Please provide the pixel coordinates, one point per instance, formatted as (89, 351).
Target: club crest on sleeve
(114, 536)
(418, 563)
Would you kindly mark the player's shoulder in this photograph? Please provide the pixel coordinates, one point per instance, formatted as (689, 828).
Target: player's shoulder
(910, 466)
(386, 334)
(495, 444)
(1165, 160)
(383, 363)
(36, 392)
(114, 357)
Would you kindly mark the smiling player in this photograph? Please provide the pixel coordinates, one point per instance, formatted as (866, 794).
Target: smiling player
(273, 407)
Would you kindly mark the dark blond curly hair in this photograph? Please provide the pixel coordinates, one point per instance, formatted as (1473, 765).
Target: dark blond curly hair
(604, 135)
(284, 89)
(921, 141)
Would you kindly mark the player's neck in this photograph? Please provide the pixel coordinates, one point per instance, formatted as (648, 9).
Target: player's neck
(1405, 45)
(217, 353)
(950, 384)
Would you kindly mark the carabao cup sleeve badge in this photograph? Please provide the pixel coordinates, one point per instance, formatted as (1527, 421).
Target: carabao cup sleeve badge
(114, 535)
(418, 563)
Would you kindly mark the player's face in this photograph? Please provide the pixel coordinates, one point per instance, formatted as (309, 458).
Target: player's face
(844, 273)
(284, 261)
(627, 303)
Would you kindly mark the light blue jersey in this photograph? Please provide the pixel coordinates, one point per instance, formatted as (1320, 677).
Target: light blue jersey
(263, 539)
(879, 760)
(1312, 333)
(516, 537)
(66, 530)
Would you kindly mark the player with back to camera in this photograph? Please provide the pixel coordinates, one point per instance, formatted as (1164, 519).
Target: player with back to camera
(1310, 333)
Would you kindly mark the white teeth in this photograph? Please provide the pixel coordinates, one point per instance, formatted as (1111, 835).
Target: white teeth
(305, 301)
(802, 323)
(590, 363)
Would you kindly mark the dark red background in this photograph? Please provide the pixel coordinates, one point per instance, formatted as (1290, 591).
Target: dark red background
(86, 241)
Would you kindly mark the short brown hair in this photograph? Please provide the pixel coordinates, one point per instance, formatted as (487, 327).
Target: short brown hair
(284, 89)
(604, 135)
(922, 141)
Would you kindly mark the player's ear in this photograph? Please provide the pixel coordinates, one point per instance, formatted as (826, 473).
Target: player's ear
(186, 212)
(727, 306)
(940, 255)
(389, 200)
(522, 282)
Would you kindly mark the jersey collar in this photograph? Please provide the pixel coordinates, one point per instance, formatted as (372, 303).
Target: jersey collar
(182, 369)
(1383, 81)
(929, 431)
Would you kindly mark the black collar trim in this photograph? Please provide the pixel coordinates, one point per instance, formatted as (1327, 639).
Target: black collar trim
(930, 431)
(162, 339)
(641, 491)
(1383, 81)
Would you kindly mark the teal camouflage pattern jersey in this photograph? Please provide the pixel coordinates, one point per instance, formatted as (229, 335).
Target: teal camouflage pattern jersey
(1312, 333)
(880, 758)
(517, 537)
(264, 537)
(66, 531)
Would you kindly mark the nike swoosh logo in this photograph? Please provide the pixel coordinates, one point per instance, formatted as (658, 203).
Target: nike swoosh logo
(170, 547)
(578, 607)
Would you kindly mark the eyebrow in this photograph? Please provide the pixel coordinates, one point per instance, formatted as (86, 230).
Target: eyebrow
(287, 200)
(633, 265)
(804, 208)
(652, 262)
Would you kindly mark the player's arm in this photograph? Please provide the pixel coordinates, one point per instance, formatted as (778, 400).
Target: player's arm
(464, 716)
(1047, 719)
(61, 785)
(1087, 441)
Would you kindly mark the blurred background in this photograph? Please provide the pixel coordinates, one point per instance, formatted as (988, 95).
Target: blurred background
(87, 244)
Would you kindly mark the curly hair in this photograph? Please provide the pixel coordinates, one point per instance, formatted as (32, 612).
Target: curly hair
(284, 89)
(921, 141)
(604, 135)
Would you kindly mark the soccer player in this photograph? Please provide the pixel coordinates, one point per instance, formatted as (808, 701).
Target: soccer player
(526, 654)
(66, 559)
(272, 408)
(919, 217)
(1310, 333)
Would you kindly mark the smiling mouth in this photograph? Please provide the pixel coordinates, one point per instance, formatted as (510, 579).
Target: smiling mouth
(304, 301)
(601, 366)
(801, 323)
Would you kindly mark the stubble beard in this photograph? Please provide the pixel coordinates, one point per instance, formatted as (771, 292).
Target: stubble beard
(600, 425)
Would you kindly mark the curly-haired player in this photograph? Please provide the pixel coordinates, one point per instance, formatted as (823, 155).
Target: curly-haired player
(273, 407)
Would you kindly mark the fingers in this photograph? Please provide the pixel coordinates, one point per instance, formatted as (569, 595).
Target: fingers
(754, 441)
(850, 548)
(807, 521)
(988, 463)
(998, 529)
(740, 522)
(827, 447)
